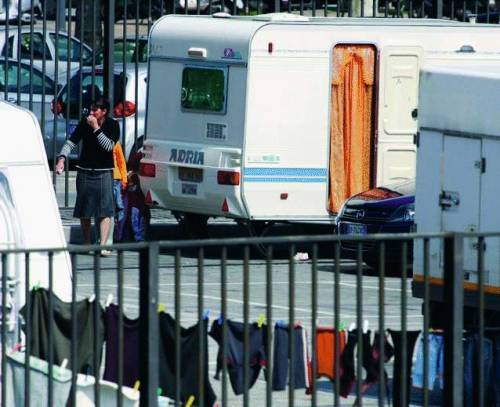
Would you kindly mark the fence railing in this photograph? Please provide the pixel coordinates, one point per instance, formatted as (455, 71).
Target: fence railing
(264, 311)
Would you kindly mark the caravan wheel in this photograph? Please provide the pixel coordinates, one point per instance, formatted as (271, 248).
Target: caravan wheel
(194, 226)
(257, 228)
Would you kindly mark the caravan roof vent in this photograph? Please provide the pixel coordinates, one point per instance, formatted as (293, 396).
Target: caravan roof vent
(197, 52)
(221, 14)
(280, 17)
(466, 49)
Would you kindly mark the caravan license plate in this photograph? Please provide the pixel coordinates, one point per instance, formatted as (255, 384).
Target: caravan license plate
(189, 189)
(355, 229)
(190, 174)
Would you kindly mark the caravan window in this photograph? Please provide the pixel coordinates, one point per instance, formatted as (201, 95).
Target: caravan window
(204, 89)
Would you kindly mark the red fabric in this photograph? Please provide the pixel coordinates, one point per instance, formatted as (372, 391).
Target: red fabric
(325, 351)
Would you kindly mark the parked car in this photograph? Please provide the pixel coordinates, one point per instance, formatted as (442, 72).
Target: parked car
(386, 209)
(125, 108)
(131, 51)
(22, 71)
(38, 43)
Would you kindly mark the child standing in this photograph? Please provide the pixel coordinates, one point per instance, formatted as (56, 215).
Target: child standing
(119, 186)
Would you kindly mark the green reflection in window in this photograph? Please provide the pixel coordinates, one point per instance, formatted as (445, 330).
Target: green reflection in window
(203, 89)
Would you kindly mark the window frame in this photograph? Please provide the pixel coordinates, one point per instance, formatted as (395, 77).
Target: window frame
(225, 71)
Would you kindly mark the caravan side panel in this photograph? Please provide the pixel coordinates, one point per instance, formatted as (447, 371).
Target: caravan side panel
(285, 174)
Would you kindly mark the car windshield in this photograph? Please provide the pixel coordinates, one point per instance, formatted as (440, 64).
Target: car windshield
(91, 88)
(130, 52)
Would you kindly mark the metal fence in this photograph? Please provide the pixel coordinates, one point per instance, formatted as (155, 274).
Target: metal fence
(220, 275)
(107, 46)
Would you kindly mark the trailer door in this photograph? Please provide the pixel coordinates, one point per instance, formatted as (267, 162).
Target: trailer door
(351, 122)
(397, 124)
(459, 198)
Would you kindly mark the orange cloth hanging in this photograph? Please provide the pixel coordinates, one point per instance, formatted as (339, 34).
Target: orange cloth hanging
(351, 122)
(325, 351)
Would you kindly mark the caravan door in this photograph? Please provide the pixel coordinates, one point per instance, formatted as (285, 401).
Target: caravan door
(397, 124)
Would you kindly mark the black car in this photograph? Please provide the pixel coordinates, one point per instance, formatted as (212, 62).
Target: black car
(389, 209)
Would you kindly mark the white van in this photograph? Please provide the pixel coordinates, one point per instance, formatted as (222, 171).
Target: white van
(29, 215)
(283, 118)
(458, 173)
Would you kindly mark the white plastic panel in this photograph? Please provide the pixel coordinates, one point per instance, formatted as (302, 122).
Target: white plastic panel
(428, 188)
(489, 213)
(461, 175)
(400, 92)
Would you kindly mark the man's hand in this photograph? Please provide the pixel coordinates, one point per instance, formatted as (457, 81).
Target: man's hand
(60, 166)
(92, 122)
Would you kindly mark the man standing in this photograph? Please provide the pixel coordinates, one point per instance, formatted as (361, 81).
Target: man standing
(98, 134)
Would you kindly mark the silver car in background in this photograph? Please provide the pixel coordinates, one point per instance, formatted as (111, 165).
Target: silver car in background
(22, 78)
(21, 47)
(127, 109)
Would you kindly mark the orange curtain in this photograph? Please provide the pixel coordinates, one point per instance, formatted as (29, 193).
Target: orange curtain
(351, 122)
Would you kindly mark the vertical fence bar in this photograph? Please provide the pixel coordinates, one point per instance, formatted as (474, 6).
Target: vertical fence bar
(381, 323)
(426, 310)
(201, 322)
(223, 298)
(314, 315)
(453, 307)
(148, 314)
(246, 327)
(178, 366)
(359, 321)
(119, 399)
(27, 294)
(404, 342)
(480, 355)
(74, 330)
(291, 327)
(7, 54)
(18, 78)
(32, 27)
(336, 325)
(50, 395)
(4, 333)
(96, 342)
(269, 317)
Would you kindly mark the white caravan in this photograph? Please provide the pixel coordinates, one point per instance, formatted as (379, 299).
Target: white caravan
(29, 215)
(282, 118)
(458, 171)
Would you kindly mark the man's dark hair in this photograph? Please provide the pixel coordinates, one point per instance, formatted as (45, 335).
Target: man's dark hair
(102, 103)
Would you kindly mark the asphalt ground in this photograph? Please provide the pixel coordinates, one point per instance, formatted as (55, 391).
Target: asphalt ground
(164, 227)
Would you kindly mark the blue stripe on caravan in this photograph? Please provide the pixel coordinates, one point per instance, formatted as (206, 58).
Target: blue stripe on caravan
(284, 172)
(284, 179)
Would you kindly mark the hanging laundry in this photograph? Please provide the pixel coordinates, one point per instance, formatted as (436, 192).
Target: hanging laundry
(347, 374)
(280, 359)
(491, 371)
(131, 334)
(325, 351)
(190, 345)
(397, 338)
(435, 360)
(234, 352)
(62, 327)
(39, 382)
(371, 358)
